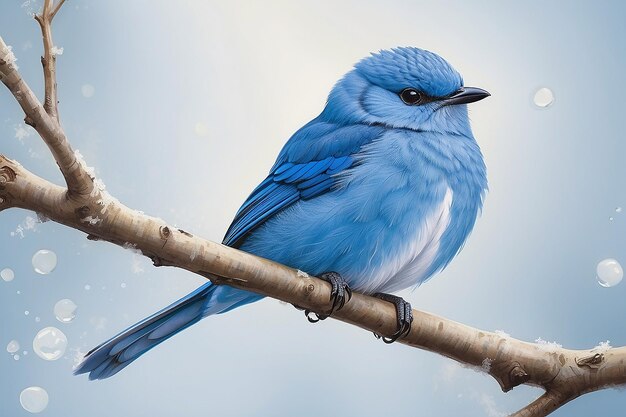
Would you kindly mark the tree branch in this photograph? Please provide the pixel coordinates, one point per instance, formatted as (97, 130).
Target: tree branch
(49, 59)
(78, 180)
(564, 374)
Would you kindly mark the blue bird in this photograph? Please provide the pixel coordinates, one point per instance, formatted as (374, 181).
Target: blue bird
(376, 194)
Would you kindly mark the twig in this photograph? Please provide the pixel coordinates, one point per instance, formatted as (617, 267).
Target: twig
(56, 9)
(79, 182)
(564, 374)
(48, 60)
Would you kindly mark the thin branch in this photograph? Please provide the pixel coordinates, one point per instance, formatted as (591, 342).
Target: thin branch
(79, 182)
(48, 60)
(56, 9)
(542, 406)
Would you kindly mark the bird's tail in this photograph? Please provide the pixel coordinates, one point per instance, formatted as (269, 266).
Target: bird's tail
(118, 352)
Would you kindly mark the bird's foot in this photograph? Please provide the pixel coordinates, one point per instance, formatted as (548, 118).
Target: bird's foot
(340, 294)
(404, 314)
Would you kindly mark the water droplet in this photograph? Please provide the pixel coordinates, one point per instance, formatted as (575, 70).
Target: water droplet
(87, 90)
(26, 313)
(123, 285)
(44, 261)
(611, 219)
(609, 272)
(7, 274)
(13, 346)
(18, 292)
(34, 399)
(50, 343)
(37, 319)
(16, 357)
(87, 287)
(544, 97)
(25, 352)
(618, 209)
(65, 310)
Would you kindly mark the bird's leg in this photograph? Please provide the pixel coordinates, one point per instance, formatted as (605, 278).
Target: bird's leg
(340, 294)
(404, 314)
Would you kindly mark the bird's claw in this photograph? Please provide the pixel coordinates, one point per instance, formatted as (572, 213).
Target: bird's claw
(404, 314)
(340, 294)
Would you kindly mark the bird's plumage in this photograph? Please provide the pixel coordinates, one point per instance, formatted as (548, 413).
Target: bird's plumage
(382, 192)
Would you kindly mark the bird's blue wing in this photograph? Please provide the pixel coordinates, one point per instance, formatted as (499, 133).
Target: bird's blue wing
(306, 168)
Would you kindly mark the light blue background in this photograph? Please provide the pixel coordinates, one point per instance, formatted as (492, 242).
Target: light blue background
(251, 73)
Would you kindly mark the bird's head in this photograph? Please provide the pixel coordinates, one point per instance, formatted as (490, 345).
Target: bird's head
(404, 88)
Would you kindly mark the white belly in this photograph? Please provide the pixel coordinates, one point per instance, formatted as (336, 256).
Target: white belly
(410, 265)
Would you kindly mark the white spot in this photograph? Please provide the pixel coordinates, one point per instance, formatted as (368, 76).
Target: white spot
(486, 365)
(609, 272)
(544, 97)
(29, 223)
(13, 346)
(92, 220)
(81, 160)
(78, 356)
(10, 57)
(50, 343)
(34, 399)
(55, 50)
(603, 347)
(65, 310)
(502, 333)
(44, 261)
(87, 90)
(195, 251)
(546, 346)
(618, 209)
(302, 274)
(7, 274)
(21, 132)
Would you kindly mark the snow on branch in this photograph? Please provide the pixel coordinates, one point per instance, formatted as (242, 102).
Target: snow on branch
(85, 205)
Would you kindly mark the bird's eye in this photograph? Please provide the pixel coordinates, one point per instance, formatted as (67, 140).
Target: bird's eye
(411, 96)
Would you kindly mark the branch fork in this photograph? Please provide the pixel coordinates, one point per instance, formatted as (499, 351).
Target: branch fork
(82, 204)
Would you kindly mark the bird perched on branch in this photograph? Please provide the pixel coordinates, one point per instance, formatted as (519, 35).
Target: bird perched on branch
(376, 194)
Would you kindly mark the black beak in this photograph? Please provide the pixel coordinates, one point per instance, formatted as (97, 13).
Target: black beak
(465, 95)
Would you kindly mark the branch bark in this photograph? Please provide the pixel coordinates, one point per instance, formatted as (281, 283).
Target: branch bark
(565, 374)
(48, 60)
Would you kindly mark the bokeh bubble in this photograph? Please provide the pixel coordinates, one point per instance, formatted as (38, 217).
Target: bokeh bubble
(544, 97)
(34, 399)
(7, 274)
(50, 343)
(609, 272)
(65, 310)
(44, 261)
(13, 346)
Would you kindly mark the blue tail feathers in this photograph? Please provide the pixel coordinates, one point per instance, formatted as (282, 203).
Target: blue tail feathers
(118, 352)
